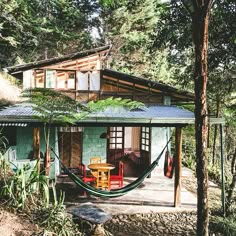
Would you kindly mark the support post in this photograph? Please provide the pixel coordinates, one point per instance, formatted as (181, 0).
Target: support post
(36, 145)
(178, 166)
(222, 169)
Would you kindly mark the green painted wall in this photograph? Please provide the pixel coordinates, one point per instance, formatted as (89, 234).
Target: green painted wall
(24, 141)
(93, 145)
(24, 145)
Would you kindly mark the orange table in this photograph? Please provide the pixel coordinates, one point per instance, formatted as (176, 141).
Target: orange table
(102, 173)
(101, 166)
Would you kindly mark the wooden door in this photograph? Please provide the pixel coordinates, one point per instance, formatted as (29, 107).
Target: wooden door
(70, 148)
(145, 147)
(115, 143)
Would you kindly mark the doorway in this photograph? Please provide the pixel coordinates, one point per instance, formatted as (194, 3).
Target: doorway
(130, 145)
(70, 146)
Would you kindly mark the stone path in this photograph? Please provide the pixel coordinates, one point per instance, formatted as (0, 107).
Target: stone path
(183, 223)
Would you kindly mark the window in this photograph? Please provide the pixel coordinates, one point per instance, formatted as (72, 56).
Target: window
(145, 139)
(65, 79)
(132, 138)
(89, 81)
(51, 76)
(116, 139)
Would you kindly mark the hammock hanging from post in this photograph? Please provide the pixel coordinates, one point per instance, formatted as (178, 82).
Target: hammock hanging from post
(116, 192)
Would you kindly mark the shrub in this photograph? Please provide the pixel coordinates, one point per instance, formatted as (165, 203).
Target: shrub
(226, 226)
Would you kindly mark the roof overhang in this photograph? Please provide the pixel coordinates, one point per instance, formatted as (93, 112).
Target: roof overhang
(152, 86)
(48, 62)
(154, 116)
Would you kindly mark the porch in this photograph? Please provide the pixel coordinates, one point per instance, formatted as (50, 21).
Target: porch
(155, 194)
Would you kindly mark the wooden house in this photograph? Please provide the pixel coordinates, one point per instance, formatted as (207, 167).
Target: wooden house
(136, 137)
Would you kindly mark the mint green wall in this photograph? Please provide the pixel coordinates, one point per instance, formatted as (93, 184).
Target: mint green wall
(93, 145)
(24, 141)
(24, 144)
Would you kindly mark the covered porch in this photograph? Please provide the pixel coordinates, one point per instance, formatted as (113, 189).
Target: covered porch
(153, 195)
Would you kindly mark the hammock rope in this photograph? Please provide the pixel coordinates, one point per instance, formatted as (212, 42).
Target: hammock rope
(116, 192)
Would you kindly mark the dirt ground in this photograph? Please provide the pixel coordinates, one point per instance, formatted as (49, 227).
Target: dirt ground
(14, 225)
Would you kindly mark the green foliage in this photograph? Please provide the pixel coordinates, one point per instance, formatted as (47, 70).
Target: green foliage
(21, 189)
(53, 106)
(131, 29)
(27, 191)
(56, 108)
(214, 173)
(111, 102)
(34, 29)
(55, 219)
(226, 226)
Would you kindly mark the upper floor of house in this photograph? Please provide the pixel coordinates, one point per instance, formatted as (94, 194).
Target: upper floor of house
(84, 76)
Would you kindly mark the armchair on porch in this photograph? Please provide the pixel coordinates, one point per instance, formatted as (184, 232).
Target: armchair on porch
(86, 178)
(118, 179)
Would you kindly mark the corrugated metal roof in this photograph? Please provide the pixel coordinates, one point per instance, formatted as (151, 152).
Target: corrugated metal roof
(17, 113)
(25, 112)
(153, 115)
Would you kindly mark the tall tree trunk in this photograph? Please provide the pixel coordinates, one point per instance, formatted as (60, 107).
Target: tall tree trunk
(200, 21)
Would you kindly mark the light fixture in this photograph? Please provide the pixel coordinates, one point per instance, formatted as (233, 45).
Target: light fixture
(104, 135)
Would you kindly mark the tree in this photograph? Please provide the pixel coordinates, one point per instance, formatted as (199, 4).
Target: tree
(31, 30)
(130, 27)
(200, 21)
(199, 11)
(219, 56)
(56, 108)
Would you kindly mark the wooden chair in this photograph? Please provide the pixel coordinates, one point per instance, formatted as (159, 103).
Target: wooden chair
(95, 160)
(103, 179)
(86, 178)
(119, 179)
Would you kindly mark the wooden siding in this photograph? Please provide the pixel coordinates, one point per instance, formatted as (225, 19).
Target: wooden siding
(119, 88)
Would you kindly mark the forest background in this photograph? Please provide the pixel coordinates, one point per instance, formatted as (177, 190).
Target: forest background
(150, 38)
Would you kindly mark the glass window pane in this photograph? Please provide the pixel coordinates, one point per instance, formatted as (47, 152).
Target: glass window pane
(50, 78)
(82, 79)
(119, 140)
(112, 140)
